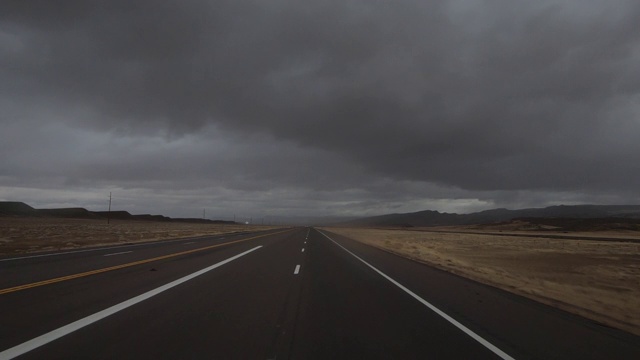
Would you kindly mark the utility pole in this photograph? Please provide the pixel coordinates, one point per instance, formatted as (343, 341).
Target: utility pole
(109, 212)
(204, 211)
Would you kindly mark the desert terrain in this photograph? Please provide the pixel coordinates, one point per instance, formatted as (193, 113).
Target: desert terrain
(592, 274)
(26, 235)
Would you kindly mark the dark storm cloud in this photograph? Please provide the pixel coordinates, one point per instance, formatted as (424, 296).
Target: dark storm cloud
(481, 96)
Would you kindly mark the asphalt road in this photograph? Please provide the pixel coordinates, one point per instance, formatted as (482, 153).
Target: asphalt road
(287, 294)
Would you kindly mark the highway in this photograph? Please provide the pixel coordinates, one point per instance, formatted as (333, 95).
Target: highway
(297, 293)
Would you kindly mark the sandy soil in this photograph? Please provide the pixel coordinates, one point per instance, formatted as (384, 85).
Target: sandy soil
(22, 235)
(599, 280)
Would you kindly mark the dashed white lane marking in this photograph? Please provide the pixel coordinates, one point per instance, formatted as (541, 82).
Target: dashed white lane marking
(79, 324)
(424, 302)
(297, 270)
(118, 253)
(302, 249)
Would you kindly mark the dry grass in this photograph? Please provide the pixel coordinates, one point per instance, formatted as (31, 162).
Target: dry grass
(22, 235)
(596, 279)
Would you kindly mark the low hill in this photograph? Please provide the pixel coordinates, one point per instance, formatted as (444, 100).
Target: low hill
(435, 218)
(16, 208)
(68, 213)
(121, 215)
(20, 209)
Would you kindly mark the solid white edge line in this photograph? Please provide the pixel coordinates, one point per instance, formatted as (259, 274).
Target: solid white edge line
(453, 321)
(118, 253)
(297, 270)
(76, 325)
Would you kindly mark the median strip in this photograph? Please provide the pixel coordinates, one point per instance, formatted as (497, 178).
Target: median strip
(122, 266)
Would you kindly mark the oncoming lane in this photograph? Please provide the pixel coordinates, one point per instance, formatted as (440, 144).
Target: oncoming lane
(38, 268)
(33, 312)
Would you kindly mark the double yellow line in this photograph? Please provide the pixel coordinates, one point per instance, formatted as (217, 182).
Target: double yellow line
(99, 271)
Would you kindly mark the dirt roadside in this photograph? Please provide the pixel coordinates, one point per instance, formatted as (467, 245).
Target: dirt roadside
(28, 235)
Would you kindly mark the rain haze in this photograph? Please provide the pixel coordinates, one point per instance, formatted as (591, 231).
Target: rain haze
(322, 108)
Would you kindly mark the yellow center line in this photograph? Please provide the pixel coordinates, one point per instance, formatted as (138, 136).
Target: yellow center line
(98, 271)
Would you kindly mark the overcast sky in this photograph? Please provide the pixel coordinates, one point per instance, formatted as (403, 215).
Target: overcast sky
(287, 107)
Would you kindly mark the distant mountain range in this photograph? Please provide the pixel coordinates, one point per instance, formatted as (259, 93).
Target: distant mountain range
(16, 208)
(435, 218)
(415, 219)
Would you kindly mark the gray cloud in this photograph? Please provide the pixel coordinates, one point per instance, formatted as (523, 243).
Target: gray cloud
(410, 102)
